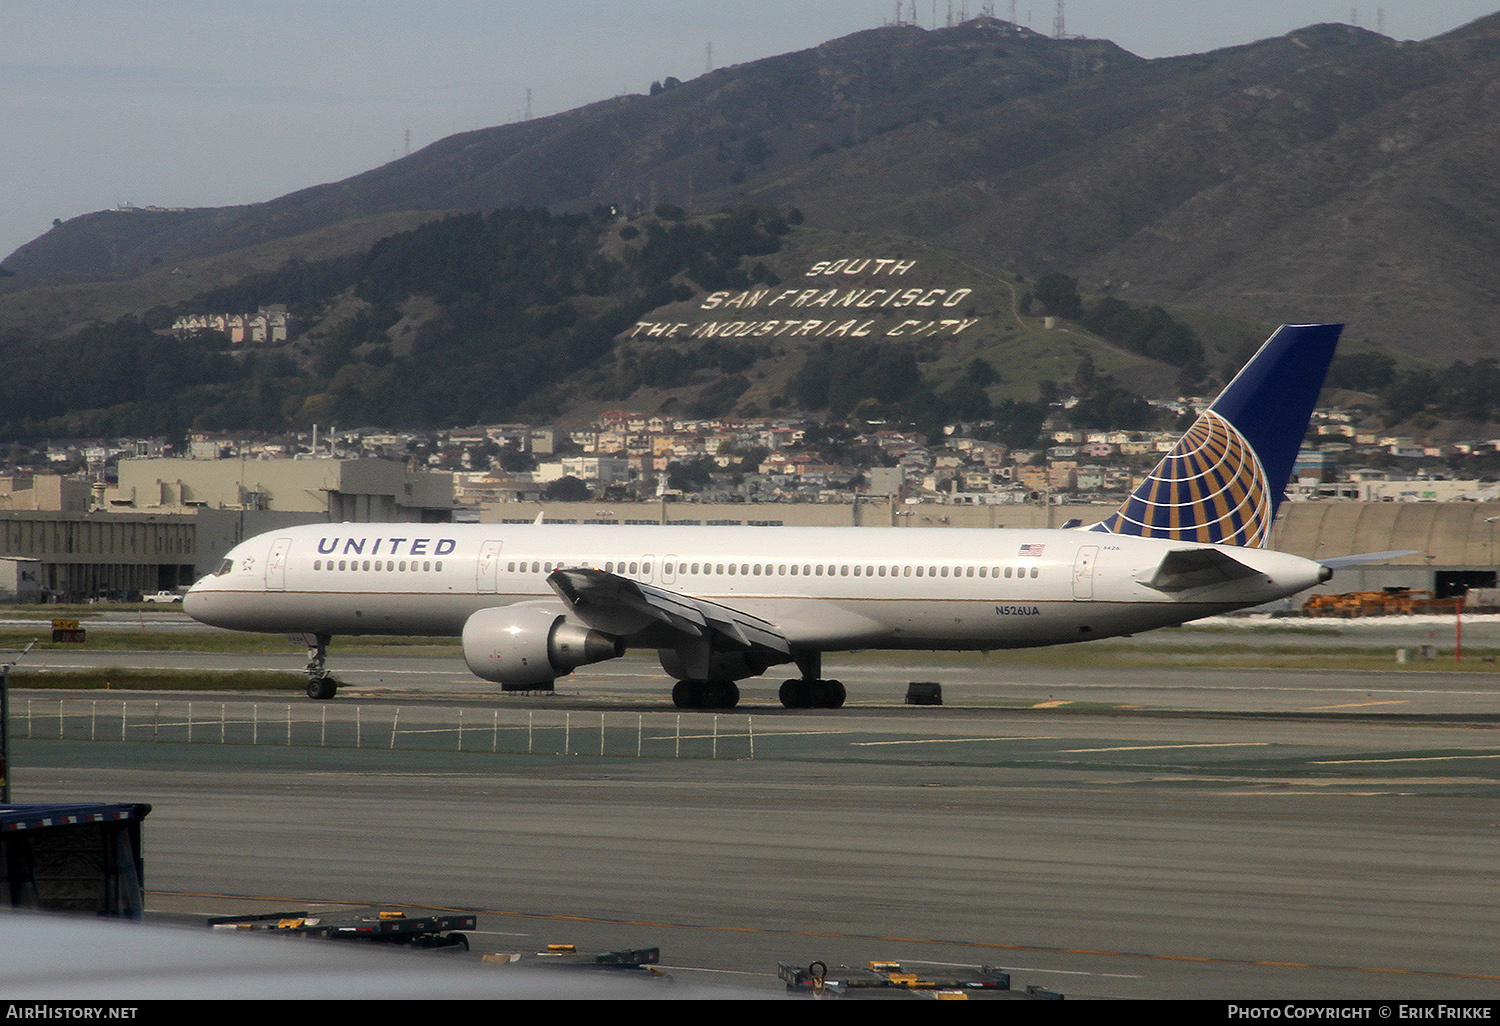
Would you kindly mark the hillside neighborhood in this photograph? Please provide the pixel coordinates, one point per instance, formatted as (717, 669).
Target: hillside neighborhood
(632, 457)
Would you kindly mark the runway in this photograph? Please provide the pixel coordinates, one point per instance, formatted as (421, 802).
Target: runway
(879, 680)
(1211, 847)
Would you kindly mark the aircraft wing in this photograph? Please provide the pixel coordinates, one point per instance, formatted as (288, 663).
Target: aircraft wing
(617, 605)
(1182, 569)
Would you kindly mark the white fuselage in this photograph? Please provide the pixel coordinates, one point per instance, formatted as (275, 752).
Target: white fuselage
(824, 589)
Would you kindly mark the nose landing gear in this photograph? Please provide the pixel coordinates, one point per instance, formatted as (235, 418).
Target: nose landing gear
(320, 686)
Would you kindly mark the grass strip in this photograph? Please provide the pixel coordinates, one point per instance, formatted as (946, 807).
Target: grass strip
(159, 640)
(114, 678)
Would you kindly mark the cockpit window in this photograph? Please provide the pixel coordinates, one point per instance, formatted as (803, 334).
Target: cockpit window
(224, 568)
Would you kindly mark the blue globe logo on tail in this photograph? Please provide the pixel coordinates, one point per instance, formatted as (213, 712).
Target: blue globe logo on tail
(1224, 480)
(1210, 488)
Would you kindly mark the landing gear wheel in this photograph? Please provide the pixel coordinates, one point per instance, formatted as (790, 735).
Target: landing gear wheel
(705, 694)
(721, 694)
(322, 688)
(813, 694)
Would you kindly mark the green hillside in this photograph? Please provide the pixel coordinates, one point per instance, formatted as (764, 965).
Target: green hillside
(521, 314)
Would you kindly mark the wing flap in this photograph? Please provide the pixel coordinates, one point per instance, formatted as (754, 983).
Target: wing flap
(618, 605)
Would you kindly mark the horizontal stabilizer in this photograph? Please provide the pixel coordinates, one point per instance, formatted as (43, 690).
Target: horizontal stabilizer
(618, 605)
(1362, 558)
(1182, 569)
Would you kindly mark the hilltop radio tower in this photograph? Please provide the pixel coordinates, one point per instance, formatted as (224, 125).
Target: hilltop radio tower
(1059, 27)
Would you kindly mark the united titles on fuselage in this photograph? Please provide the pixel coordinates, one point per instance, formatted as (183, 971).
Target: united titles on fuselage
(415, 546)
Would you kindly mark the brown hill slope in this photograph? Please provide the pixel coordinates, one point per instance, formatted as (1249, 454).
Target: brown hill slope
(1330, 173)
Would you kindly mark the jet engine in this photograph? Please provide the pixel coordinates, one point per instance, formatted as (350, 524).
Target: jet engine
(523, 647)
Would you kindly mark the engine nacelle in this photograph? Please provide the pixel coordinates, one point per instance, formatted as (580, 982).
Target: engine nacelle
(527, 646)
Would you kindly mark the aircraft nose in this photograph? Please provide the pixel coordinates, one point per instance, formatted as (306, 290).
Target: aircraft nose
(195, 603)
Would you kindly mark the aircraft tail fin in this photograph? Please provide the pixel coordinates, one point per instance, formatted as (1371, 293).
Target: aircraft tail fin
(1226, 477)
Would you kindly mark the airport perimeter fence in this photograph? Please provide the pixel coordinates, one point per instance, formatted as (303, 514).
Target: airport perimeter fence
(392, 728)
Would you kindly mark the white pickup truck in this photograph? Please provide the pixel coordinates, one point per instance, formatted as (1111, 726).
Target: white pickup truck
(162, 596)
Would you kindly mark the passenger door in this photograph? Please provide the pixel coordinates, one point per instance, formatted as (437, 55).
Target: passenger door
(489, 568)
(276, 564)
(1083, 572)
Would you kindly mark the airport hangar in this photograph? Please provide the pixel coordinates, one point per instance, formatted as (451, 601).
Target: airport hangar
(1455, 542)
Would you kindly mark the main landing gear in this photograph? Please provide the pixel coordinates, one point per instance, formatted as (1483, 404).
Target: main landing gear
(706, 694)
(813, 694)
(320, 685)
(811, 691)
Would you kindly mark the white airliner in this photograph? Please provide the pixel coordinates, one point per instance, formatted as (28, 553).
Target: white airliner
(720, 604)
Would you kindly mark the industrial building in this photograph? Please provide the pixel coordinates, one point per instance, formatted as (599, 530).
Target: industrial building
(171, 521)
(358, 490)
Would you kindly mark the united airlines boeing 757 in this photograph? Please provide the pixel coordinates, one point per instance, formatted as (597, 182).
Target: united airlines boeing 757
(722, 604)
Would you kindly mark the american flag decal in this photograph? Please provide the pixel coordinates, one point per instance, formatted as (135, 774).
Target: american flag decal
(1034, 551)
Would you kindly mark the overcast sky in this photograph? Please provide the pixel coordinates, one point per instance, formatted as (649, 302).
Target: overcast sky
(216, 102)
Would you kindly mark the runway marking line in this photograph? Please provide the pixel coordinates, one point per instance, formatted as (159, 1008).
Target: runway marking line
(1156, 748)
(1356, 705)
(1412, 758)
(946, 741)
(835, 935)
(758, 734)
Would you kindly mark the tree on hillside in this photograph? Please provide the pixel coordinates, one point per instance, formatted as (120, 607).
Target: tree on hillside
(1058, 295)
(566, 489)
